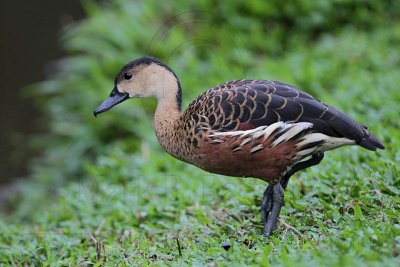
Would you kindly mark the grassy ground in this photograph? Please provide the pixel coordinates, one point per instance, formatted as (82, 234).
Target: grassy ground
(105, 194)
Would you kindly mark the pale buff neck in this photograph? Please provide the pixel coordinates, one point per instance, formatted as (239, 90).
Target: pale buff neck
(167, 119)
(167, 114)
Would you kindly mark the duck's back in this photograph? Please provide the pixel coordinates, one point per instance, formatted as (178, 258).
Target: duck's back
(248, 104)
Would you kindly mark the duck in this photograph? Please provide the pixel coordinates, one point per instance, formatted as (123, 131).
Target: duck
(243, 128)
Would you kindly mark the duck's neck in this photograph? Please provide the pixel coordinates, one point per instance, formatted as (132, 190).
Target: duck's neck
(167, 117)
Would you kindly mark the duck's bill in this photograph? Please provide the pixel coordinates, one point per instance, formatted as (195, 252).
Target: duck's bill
(115, 98)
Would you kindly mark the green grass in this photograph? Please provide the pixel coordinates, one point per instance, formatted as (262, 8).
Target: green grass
(104, 193)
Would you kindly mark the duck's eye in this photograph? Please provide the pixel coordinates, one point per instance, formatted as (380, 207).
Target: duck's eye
(128, 76)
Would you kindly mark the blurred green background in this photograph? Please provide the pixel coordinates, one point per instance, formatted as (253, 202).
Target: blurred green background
(103, 192)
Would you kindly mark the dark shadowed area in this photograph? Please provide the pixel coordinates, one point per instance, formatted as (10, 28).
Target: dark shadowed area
(29, 40)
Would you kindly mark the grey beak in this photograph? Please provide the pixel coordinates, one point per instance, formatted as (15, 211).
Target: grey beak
(115, 98)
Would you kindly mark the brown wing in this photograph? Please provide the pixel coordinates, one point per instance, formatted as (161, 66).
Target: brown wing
(247, 104)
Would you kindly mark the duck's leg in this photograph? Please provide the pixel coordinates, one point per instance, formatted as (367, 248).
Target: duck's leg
(271, 207)
(266, 204)
(272, 192)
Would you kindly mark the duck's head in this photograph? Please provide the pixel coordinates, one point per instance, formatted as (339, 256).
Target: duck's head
(143, 77)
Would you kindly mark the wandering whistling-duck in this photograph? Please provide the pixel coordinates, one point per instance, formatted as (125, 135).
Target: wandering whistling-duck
(245, 128)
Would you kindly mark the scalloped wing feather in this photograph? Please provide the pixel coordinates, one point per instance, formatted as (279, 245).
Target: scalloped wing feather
(248, 104)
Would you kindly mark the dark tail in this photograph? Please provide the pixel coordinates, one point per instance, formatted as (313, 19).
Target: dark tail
(341, 125)
(370, 141)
